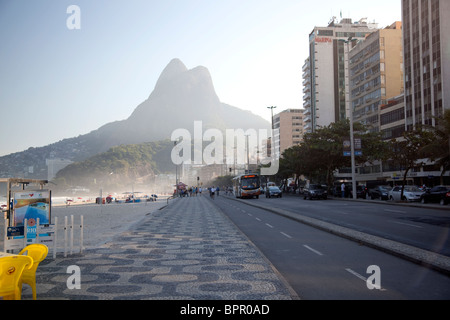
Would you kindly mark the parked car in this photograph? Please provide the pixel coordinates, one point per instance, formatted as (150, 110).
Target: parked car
(440, 194)
(273, 192)
(410, 193)
(380, 192)
(315, 191)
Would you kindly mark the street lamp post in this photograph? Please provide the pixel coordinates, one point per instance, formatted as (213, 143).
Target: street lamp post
(352, 138)
(176, 173)
(272, 142)
(271, 109)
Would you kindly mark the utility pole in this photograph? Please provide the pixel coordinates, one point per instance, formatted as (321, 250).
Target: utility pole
(352, 138)
(272, 143)
(271, 109)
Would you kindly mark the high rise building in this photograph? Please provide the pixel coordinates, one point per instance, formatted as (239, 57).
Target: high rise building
(307, 120)
(376, 74)
(426, 42)
(325, 98)
(290, 129)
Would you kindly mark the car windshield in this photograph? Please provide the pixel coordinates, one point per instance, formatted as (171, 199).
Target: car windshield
(274, 189)
(385, 188)
(316, 187)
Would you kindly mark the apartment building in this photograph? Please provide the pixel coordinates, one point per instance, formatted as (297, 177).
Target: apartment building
(308, 123)
(324, 74)
(376, 73)
(392, 117)
(426, 42)
(290, 125)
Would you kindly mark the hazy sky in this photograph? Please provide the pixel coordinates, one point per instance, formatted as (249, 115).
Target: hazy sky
(57, 83)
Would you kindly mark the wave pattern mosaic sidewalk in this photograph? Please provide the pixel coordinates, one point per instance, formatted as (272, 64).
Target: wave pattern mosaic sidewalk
(187, 251)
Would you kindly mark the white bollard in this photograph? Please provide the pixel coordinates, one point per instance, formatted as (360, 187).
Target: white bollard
(81, 234)
(71, 234)
(65, 237)
(55, 237)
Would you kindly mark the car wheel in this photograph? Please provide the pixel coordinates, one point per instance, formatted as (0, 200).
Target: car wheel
(442, 202)
(423, 201)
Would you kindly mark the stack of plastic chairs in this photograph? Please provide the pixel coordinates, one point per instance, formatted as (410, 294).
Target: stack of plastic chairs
(38, 252)
(11, 271)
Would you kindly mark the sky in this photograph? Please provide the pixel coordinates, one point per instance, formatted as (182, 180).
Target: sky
(58, 82)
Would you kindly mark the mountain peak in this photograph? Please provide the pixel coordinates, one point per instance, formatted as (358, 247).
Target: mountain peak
(173, 69)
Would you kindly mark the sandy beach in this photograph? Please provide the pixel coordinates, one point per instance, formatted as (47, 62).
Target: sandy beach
(101, 222)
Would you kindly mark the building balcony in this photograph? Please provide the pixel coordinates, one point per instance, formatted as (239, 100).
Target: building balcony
(305, 67)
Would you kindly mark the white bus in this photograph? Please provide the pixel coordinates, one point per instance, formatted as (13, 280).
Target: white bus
(247, 186)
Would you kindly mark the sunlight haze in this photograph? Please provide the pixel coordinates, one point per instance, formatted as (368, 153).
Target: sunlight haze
(58, 83)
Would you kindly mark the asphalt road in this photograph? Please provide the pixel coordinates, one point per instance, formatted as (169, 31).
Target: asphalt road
(424, 227)
(319, 265)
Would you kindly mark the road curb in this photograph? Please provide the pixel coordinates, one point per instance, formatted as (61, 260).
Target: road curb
(426, 258)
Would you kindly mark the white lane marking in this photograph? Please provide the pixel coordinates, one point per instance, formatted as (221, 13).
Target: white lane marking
(286, 235)
(258, 219)
(407, 224)
(361, 277)
(394, 211)
(313, 250)
(269, 225)
(356, 274)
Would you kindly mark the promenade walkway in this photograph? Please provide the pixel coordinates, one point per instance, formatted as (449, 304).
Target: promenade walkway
(187, 251)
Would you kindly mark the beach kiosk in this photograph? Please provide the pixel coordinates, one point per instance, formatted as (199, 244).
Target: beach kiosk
(27, 201)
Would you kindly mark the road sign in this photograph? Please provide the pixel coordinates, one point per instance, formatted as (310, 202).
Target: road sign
(347, 147)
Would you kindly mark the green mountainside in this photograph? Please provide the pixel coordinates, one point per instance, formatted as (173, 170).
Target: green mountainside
(118, 167)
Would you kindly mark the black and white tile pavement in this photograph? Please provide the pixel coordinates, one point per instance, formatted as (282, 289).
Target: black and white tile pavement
(187, 251)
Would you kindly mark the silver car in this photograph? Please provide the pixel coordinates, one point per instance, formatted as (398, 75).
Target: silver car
(411, 193)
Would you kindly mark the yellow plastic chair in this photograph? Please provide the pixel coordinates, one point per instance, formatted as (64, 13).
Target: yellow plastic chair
(11, 271)
(38, 252)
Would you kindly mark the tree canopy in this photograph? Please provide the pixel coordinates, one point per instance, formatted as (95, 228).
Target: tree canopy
(321, 152)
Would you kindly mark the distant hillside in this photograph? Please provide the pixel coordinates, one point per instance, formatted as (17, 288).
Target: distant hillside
(180, 97)
(118, 167)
